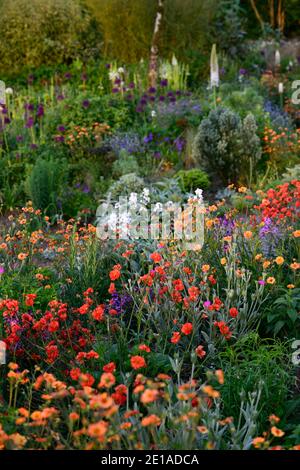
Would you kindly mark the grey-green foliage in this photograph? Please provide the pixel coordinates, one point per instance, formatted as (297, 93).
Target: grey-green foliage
(228, 146)
(245, 101)
(127, 184)
(125, 164)
(45, 183)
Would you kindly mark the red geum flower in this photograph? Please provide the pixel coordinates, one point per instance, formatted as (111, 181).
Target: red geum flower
(175, 337)
(29, 299)
(98, 313)
(187, 328)
(115, 273)
(233, 312)
(144, 347)
(200, 351)
(110, 367)
(137, 362)
(156, 257)
(75, 373)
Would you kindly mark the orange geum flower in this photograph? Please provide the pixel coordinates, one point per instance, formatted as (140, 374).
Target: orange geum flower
(149, 396)
(98, 430)
(295, 266)
(223, 261)
(277, 432)
(279, 260)
(205, 268)
(126, 425)
(257, 442)
(266, 264)
(73, 416)
(248, 234)
(274, 419)
(151, 420)
(290, 286)
(220, 376)
(296, 233)
(107, 380)
(22, 256)
(271, 280)
(202, 429)
(210, 391)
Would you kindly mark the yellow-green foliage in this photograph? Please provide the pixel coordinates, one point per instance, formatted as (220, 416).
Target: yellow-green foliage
(127, 26)
(36, 32)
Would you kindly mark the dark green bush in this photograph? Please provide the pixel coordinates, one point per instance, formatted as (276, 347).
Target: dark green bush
(45, 183)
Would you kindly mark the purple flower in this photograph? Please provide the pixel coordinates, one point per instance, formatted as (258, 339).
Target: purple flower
(164, 82)
(30, 79)
(243, 72)
(2, 270)
(68, 75)
(59, 138)
(115, 90)
(131, 86)
(61, 128)
(33, 146)
(60, 97)
(86, 103)
(261, 282)
(40, 111)
(29, 107)
(107, 66)
(29, 123)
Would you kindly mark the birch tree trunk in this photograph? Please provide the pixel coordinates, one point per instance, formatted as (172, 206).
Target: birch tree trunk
(154, 54)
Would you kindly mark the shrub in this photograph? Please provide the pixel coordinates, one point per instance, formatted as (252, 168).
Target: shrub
(227, 145)
(44, 184)
(125, 164)
(38, 32)
(190, 180)
(125, 185)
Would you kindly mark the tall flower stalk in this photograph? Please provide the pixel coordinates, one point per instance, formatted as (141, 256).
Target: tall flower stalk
(214, 73)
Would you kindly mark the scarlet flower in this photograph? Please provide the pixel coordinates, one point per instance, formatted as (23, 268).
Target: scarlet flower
(156, 257)
(137, 362)
(233, 312)
(29, 299)
(98, 313)
(200, 351)
(52, 353)
(114, 274)
(175, 337)
(187, 328)
(110, 367)
(75, 373)
(178, 284)
(193, 293)
(144, 347)
(53, 326)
